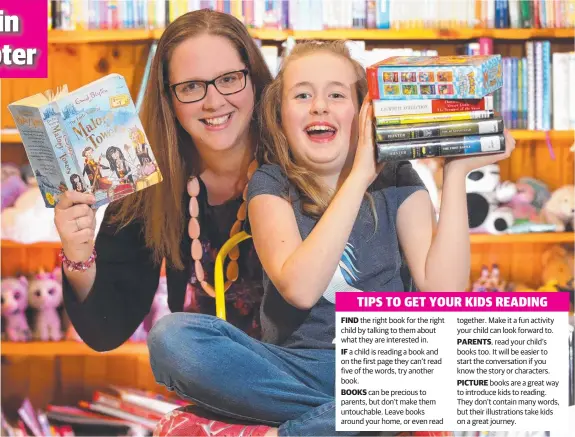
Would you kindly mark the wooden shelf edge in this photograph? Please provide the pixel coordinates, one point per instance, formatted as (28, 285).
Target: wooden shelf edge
(10, 136)
(9, 244)
(99, 35)
(118, 35)
(66, 348)
(530, 238)
(533, 135)
(533, 237)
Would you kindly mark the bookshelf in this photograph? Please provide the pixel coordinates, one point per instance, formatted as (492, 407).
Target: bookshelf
(66, 371)
(462, 34)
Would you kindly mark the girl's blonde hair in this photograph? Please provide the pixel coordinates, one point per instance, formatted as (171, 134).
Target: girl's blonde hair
(314, 197)
(161, 207)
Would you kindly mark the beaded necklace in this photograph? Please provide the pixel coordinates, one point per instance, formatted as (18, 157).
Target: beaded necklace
(232, 269)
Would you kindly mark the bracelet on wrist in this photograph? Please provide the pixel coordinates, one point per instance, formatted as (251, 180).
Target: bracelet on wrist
(74, 266)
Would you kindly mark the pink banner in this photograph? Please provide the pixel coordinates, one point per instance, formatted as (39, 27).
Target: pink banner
(448, 301)
(23, 39)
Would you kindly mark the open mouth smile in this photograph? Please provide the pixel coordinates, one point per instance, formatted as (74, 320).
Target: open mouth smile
(321, 132)
(216, 123)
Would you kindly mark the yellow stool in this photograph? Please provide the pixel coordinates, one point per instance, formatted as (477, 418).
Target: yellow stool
(219, 271)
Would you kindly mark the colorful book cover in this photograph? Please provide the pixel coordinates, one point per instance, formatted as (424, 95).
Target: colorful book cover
(88, 140)
(435, 77)
(432, 148)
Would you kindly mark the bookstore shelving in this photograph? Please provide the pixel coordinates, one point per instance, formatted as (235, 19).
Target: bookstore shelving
(462, 34)
(67, 371)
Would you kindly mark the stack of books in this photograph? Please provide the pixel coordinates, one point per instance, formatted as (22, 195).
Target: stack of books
(432, 106)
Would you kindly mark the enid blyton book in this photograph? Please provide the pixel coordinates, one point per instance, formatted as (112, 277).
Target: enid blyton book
(435, 77)
(88, 140)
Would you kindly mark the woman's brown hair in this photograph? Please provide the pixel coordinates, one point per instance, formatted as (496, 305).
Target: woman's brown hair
(314, 197)
(161, 207)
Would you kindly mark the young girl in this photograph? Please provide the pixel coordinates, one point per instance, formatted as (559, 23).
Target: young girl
(324, 218)
(323, 221)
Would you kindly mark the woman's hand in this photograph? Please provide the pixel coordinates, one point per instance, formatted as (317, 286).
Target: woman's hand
(76, 224)
(466, 164)
(365, 165)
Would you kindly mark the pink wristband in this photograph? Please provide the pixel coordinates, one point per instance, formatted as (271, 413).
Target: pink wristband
(73, 266)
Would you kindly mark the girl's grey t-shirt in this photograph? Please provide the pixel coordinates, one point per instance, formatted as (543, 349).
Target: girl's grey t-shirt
(371, 261)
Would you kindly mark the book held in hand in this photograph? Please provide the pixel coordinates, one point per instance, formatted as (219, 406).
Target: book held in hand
(88, 140)
(437, 147)
(436, 106)
(435, 77)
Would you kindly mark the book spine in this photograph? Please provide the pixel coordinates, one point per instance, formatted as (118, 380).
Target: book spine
(61, 145)
(430, 118)
(539, 85)
(457, 146)
(34, 131)
(383, 108)
(530, 85)
(560, 82)
(439, 130)
(571, 100)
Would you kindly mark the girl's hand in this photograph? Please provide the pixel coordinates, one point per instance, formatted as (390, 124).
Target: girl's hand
(364, 164)
(466, 164)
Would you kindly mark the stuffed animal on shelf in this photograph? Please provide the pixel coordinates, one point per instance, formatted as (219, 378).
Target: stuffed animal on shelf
(14, 304)
(489, 280)
(485, 194)
(45, 296)
(12, 185)
(558, 264)
(559, 210)
(531, 194)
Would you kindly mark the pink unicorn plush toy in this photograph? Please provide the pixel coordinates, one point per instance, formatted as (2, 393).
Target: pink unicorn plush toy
(14, 304)
(45, 296)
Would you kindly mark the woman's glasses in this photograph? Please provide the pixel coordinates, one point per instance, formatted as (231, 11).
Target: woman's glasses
(226, 84)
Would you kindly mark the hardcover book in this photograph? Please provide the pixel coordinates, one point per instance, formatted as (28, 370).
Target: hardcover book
(436, 147)
(438, 130)
(88, 140)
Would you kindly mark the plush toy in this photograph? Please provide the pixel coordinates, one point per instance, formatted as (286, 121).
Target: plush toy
(28, 220)
(489, 280)
(558, 264)
(45, 296)
(485, 194)
(560, 208)
(12, 185)
(14, 304)
(531, 194)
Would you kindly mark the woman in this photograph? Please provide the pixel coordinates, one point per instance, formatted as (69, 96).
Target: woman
(199, 117)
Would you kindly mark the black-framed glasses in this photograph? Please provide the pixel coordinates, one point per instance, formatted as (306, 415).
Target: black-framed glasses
(195, 90)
